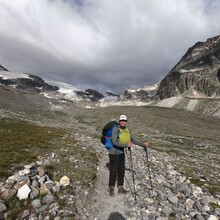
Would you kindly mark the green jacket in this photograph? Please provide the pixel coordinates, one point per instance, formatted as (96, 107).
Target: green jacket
(118, 147)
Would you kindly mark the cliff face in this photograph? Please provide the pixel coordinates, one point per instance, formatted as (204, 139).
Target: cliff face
(198, 71)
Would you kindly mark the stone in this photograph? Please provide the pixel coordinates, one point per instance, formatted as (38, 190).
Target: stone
(29, 166)
(25, 214)
(36, 203)
(173, 199)
(35, 183)
(167, 210)
(34, 192)
(41, 171)
(199, 217)
(49, 184)
(198, 192)
(23, 192)
(8, 193)
(212, 217)
(197, 206)
(189, 203)
(64, 181)
(41, 209)
(10, 182)
(22, 182)
(48, 199)
(44, 190)
(3, 207)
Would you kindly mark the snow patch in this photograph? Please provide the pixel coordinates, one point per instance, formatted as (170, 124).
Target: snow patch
(170, 102)
(123, 103)
(13, 75)
(192, 104)
(190, 70)
(68, 91)
(151, 87)
(147, 88)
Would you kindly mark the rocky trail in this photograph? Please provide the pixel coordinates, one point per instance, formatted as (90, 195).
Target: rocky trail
(162, 193)
(173, 196)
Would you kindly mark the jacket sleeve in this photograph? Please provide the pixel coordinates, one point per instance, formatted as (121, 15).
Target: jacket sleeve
(115, 138)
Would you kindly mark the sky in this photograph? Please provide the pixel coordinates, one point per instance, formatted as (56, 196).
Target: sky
(108, 45)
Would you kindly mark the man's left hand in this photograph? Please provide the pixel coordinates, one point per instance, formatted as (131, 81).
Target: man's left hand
(146, 144)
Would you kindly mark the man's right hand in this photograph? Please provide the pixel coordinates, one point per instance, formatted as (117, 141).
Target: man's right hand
(129, 144)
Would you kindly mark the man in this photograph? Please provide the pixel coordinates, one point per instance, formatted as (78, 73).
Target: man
(121, 139)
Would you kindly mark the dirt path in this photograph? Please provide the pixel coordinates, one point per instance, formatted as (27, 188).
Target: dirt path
(103, 204)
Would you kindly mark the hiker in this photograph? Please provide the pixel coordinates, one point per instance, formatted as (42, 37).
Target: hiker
(122, 139)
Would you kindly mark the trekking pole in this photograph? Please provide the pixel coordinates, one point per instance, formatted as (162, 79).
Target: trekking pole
(132, 170)
(149, 169)
(133, 194)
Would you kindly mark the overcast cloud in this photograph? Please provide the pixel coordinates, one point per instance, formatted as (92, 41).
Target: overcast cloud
(102, 44)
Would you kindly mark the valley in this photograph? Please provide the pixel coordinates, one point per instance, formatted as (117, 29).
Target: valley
(181, 141)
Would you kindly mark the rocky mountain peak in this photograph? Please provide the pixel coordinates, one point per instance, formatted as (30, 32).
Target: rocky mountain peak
(204, 46)
(197, 72)
(198, 50)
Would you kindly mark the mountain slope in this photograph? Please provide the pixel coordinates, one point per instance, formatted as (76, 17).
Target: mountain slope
(197, 72)
(192, 84)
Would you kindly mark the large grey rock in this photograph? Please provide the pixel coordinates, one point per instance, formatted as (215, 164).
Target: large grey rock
(36, 203)
(3, 207)
(25, 214)
(48, 199)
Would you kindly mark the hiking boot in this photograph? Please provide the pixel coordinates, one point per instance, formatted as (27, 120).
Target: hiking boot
(111, 191)
(122, 190)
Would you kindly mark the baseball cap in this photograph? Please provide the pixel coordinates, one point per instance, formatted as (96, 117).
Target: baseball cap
(122, 118)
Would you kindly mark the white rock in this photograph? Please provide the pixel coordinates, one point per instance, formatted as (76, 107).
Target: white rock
(206, 208)
(198, 192)
(11, 177)
(212, 217)
(21, 173)
(23, 192)
(27, 171)
(189, 203)
(65, 181)
(29, 166)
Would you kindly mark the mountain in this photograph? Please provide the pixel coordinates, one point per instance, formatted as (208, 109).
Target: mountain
(196, 74)
(192, 84)
(145, 94)
(24, 81)
(3, 68)
(51, 89)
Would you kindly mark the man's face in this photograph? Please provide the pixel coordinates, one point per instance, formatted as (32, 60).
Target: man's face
(122, 123)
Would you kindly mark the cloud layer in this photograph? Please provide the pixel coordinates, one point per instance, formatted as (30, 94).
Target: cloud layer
(103, 44)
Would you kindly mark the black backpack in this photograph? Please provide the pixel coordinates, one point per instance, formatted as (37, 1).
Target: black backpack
(106, 138)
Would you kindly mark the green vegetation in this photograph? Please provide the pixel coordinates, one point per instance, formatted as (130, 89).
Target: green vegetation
(22, 142)
(214, 205)
(77, 162)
